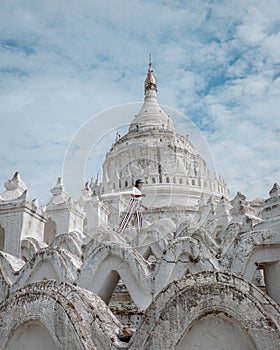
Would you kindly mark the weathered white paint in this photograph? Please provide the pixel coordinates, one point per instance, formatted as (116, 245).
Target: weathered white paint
(272, 280)
(19, 216)
(67, 215)
(215, 332)
(206, 310)
(32, 336)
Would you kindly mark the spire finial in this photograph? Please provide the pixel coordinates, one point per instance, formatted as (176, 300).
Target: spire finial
(150, 63)
(150, 82)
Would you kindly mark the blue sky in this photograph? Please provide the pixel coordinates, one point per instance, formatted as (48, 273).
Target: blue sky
(217, 62)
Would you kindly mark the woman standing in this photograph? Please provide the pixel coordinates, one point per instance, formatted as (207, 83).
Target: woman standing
(134, 208)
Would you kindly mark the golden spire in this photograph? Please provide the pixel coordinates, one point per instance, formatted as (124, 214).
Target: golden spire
(150, 82)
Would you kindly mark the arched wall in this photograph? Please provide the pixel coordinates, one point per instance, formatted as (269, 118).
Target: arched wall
(176, 310)
(215, 332)
(69, 241)
(142, 279)
(67, 316)
(43, 270)
(108, 286)
(29, 246)
(252, 249)
(241, 256)
(183, 255)
(32, 335)
(48, 263)
(106, 276)
(105, 260)
(149, 247)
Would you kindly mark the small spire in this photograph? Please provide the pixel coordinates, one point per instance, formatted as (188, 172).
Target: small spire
(97, 181)
(275, 191)
(58, 189)
(150, 63)
(150, 82)
(118, 136)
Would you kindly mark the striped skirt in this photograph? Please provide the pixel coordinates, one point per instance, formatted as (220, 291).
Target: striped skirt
(134, 208)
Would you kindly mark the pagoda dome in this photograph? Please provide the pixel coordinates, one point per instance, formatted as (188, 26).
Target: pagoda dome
(175, 174)
(151, 117)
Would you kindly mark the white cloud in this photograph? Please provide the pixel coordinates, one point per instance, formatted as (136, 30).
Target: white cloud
(62, 62)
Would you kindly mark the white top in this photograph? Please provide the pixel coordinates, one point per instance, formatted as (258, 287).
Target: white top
(137, 192)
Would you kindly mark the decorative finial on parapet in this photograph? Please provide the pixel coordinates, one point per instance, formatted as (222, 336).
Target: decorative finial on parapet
(58, 189)
(118, 136)
(14, 184)
(91, 182)
(275, 191)
(240, 205)
(97, 181)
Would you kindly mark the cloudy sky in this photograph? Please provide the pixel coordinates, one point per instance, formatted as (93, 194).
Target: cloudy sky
(217, 62)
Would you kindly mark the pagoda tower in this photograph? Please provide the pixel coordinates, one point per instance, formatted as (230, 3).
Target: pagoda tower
(174, 173)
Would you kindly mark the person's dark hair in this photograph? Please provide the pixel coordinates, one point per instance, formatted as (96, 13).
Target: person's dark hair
(139, 181)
